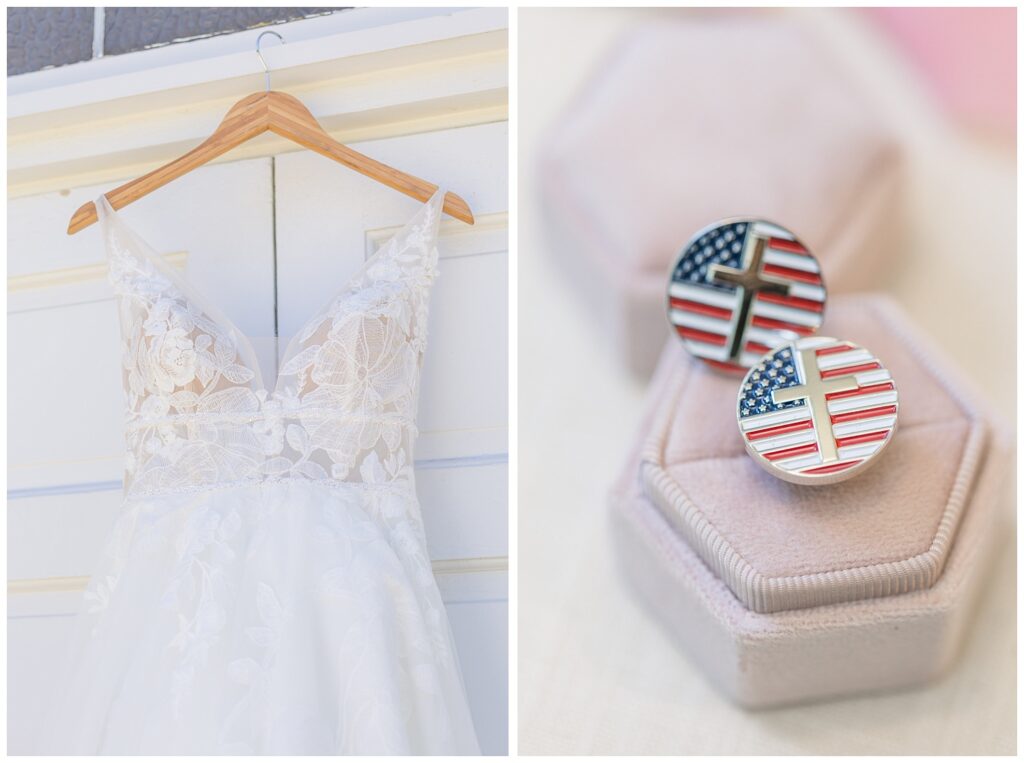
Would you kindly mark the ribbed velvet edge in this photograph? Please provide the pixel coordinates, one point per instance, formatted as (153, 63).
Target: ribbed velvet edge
(764, 594)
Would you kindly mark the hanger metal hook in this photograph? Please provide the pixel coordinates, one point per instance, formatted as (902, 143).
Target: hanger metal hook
(266, 69)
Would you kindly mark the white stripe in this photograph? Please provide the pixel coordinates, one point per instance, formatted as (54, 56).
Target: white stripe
(698, 321)
(784, 441)
(807, 291)
(762, 228)
(857, 402)
(816, 342)
(704, 294)
(790, 260)
(859, 451)
(847, 428)
(706, 350)
(848, 358)
(796, 413)
(788, 314)
(770, 337)
(799, 462)
(865, 378)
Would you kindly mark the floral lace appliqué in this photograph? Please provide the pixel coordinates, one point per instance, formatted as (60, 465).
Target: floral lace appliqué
(347, 389)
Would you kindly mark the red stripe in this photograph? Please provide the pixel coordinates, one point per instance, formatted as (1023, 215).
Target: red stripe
(791, 273)
(793, 426)
(785, 245)
(847, 370)
(858, 439)
(700, 336)
(796, 450)
(867, 413)
(797, 302)
(770, 323)
(697, 307)
(831, 467)
(883, 387)
(833, 350)
(757, 347)
(724, 366)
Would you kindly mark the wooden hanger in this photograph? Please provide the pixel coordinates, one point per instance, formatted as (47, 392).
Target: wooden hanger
(284, 115)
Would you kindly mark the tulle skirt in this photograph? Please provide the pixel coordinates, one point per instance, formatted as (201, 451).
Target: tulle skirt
(285, 617)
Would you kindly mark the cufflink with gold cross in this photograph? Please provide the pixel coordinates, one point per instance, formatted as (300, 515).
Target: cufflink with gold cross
(742, 287)
(817, 410)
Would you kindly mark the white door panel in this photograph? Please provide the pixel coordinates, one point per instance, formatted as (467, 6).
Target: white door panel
(60, 534)
(36, 649)
(65, 377)
(479, 619)
(464, 508)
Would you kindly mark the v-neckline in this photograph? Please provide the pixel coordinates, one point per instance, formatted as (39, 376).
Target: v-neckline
(244, 344)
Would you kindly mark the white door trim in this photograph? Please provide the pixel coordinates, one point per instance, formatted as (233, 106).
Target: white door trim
(115, 117)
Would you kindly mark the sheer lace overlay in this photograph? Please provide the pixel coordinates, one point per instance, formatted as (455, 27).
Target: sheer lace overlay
(266, 588)
(343, 407)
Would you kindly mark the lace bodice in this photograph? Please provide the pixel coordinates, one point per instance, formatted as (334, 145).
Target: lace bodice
(343, 406)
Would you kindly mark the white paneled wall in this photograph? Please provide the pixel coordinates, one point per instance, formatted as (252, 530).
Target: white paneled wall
(265, 238)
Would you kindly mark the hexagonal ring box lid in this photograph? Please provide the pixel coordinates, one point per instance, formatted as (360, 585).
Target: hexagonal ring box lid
(691, 120)
(779, 546)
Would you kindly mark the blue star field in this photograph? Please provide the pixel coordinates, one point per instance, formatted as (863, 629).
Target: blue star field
(722, 245)
(776, 371)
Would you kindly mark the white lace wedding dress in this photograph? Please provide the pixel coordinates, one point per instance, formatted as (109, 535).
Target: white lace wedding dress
(266, 588)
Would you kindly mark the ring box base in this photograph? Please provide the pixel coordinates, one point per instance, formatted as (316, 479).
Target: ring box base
(880, 639)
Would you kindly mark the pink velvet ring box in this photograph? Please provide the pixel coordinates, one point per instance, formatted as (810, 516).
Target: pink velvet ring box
(688, 122)
(785, 593)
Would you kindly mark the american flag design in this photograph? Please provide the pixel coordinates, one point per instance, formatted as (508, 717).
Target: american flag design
(817, 410)
(742, 288)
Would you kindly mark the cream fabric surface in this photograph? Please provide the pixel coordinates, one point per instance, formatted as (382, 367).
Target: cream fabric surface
(266, 588)
(596, 673)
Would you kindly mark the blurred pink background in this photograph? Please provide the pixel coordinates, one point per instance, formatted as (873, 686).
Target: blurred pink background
(967, 55)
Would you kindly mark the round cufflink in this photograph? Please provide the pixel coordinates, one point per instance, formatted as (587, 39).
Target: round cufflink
(817, 410)
(742, 287)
